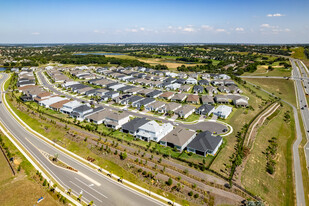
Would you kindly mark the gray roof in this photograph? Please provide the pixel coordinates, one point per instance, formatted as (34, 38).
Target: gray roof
(154, 93)
(82, 108)
(134, 124)
(205, 141)
(179, 136)
(205, 108)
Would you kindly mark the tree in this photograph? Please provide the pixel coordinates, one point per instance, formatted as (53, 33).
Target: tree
(79, 197)
(69, 191)
(90, 203)
(123, 155)
(44, 183)
(169, 182)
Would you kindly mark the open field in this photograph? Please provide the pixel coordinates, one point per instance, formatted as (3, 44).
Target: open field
(262, 71)
(279, 87)
(238, 119)
(276, 189)
(5, 171)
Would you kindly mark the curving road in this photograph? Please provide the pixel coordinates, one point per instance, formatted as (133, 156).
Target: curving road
(88, 182)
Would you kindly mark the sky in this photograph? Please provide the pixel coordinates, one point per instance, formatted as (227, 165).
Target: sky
(157, 21)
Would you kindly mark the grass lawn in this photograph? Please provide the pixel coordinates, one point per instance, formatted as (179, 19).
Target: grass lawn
(262, 71)
(298, 53)
(279, 87)
(239, 118)
(276, 189)
(7, 83)
(5, 171)
(191, 118)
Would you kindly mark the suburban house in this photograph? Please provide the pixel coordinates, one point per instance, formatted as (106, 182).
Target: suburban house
(134, 90)
(180, 97)
(223, 111)
(132, 126)
(224, 89)
(179, 138)
(154, 94)
(203, 82)
(191, 80)
(131, 100)
(47, 102)
(98, 117)
(43, 96)
(234, 89)
(224, 76)
(185, 88)
(240, 102)
(211, 90)
(207, 99)
(153, 131)
(116, 119)
(198, 89)
(172, 86)
(67, 108)
(205, 109)
(217, 82)
(167, 95)
(58, 105)
(185, 111)
(205, 143)
(170, 107)
(222, 99)
(155, 106)
(81, 111)
(192, 98)
(144, 102)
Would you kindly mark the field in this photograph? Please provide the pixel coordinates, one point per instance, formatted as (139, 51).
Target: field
(238, 119)
(279, 87)
(277, 71)
(275, 189)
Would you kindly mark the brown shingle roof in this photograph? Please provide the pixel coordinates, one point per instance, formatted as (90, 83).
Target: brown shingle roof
(58, 105)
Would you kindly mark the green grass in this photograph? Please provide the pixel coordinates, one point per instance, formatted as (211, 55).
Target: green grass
(5, 171)
(193, 117)
(278, 188)
(237, 120)
(7, 83)
(279, 87)
(298, 53)
(262, 71)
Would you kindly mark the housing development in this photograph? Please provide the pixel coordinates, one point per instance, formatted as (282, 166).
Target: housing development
(147, 103)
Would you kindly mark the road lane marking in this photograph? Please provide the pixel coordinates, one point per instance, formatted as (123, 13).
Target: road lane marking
(85, 191)
(88, 178)
(90, 187)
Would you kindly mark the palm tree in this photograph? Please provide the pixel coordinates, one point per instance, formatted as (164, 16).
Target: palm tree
(79, 197)
(90, 203)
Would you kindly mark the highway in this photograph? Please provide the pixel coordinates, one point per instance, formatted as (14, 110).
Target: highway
(302, 102)
(205, 125)
(93, 185)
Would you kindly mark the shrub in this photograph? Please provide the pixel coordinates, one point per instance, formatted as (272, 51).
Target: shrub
(196, 195)
(169, 182)
(190, 193)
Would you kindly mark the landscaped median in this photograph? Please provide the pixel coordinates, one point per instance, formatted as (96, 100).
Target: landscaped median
(128, 184)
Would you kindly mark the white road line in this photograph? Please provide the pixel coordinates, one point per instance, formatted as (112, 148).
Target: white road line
(90, 187)
(88, 178)
(86, 191)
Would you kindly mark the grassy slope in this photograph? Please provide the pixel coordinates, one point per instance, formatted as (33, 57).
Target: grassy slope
(237, 120)
(280, 87)
(276, 189)
(262, 71)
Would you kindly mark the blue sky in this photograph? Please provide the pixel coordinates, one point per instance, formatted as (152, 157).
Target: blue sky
(187, 21)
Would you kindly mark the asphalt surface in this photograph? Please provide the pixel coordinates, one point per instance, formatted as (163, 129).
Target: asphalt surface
(302, 101)
(90, 183)
(211, 126)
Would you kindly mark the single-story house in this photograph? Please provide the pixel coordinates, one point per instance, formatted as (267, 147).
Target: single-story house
(185, 88)
(58, 105)
(205, 143)
(167, 95)
(224, 89)
(144, 102)
(154, 94)
(185, 111)
(170, 107)
(179, 138)
(223, 111)
(240, 102)
(203, 82)
(67, 108)
(211, 90)
(206, 99)
(180, 97)
(191, 80)
(205, 109)
(155, 106)
(192, 98)
(116, 119)
(98, 117)
(222, 99)
(198, 89)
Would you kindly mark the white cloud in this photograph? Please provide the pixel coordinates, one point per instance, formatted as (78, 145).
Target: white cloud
(142, 29)
(220, 30)
(265, 26)
(188, 29)
(275, 15)
(207, 27)
(35, 33)
(239, 29)
(98, 31)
